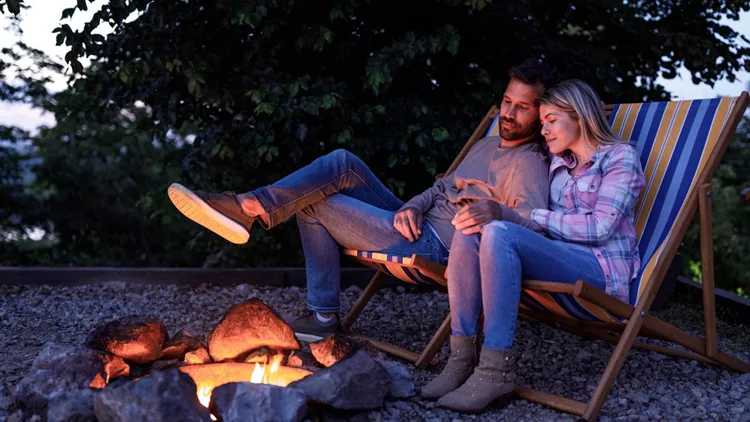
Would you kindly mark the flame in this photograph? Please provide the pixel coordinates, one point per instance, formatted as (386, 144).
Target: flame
(204, 396)
(264, 373)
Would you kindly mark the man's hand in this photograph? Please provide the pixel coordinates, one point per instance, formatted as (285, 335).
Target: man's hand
(408, 222)
(476, 214)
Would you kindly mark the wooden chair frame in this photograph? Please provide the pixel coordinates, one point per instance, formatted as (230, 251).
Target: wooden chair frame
(637, 321)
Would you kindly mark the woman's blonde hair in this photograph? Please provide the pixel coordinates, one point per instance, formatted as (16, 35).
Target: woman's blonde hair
(579, 100)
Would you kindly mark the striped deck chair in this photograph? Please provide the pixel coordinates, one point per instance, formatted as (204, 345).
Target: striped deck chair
(681, 144)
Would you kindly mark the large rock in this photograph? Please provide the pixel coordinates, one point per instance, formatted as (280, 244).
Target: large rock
(73, 406)
(248, 326)
(246, 402)
(57, 369)
(163, 396)
(136, 339)
(402, 387)
(332, 349)
(357, 382)
(177, 346)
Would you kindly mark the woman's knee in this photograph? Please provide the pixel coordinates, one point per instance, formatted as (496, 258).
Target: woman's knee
(463, 241)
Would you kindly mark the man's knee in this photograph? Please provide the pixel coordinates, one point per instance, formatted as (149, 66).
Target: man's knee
(342, 155)
(465, 240)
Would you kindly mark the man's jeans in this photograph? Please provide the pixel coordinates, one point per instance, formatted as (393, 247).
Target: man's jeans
(485, 270)
(339, 201)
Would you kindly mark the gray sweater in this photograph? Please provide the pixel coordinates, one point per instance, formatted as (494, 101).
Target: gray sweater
(516, 177)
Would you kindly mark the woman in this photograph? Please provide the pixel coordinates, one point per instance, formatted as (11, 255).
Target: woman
(595, 181)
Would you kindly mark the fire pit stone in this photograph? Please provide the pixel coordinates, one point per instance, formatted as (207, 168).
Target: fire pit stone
(248, 326)
(137, 339)
(197, 357)
(233, 402)
(332, 349)
(162, 396)
(59, 368)
(77, 405)
(357, 382)
(177, 346)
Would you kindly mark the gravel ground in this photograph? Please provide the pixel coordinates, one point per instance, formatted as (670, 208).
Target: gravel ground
(650, 386)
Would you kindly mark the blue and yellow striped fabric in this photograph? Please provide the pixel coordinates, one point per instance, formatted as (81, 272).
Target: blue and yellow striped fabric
(674, 140)
(397, 266)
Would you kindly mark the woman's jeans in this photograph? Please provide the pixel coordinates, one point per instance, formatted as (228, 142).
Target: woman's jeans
(485, 272)
(339, 201)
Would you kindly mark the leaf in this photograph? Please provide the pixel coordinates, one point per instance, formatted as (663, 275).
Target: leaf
(392, 160)
(123, 76)
(77, 66)
(343, 136)
(453, 44)
(82, 5)
(60, 39)
(440, 134)
(14, 7)
(192, 83)
(66, 13)
(215, 149)
(336, 13)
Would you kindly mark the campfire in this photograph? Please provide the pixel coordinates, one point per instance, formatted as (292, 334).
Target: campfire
(249, 360)
(209, 376)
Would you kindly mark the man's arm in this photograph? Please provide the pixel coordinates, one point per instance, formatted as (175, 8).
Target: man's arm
(425, 200)
(529, 190)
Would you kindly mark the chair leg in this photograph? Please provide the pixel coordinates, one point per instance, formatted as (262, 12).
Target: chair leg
(434, 345)
(362, 300)
(594, 406)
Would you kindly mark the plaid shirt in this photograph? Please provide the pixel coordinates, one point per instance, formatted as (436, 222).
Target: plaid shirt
(599, 204)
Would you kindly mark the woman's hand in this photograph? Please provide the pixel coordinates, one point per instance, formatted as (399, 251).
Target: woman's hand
(476, 214)
(408, 222)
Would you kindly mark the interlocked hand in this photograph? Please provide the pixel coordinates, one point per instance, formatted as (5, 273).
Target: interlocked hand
(476, 214)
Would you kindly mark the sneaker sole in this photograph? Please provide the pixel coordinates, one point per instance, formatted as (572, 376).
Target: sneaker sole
(310, 338)
(196, 209)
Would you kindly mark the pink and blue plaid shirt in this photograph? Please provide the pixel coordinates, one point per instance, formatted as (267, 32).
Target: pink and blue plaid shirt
(598, 212)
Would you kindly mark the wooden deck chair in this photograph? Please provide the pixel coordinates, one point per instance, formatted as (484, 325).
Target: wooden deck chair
(681, 144)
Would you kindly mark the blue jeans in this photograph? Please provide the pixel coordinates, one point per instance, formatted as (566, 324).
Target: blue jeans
(338, 201)
(485, 270)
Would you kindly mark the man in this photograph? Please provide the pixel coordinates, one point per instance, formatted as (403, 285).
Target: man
(338, 201)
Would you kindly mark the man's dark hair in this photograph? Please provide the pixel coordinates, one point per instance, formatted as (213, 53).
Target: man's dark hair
(533, 71)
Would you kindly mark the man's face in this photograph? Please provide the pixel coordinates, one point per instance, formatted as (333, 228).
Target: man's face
(519, 112)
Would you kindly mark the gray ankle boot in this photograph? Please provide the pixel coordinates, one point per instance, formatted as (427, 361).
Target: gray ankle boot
(493, 380)
(460, 365)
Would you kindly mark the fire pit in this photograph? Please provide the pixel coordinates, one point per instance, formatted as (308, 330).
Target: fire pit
(131, 370)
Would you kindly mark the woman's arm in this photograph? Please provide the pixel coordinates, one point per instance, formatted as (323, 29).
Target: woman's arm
(622, 182)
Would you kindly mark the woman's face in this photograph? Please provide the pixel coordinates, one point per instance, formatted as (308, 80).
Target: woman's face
(559, 129)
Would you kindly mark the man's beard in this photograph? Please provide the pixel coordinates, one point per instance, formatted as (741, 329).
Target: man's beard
(516, 132)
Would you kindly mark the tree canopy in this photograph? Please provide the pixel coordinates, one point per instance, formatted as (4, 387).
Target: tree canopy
(265, 86)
